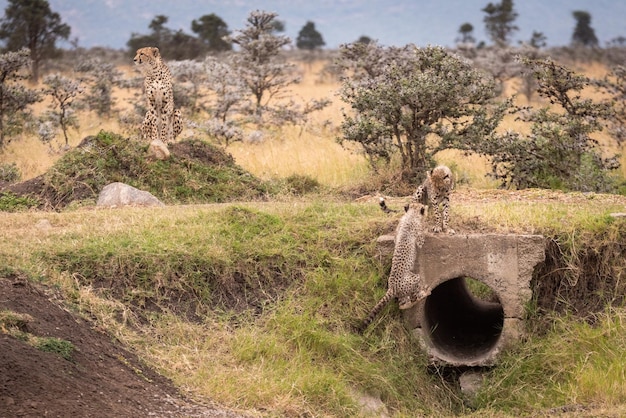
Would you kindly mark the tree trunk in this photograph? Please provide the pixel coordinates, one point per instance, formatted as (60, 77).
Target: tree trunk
(2, 117)
(34, 78)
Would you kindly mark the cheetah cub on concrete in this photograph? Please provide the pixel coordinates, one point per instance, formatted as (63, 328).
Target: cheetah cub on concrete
(435, 192)
(403, 284)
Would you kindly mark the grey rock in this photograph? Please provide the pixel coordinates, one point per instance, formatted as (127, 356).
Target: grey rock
(120, 194)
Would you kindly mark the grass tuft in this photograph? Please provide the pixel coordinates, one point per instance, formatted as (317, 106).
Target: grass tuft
(575, 363)
(55, 345)
(10, 202)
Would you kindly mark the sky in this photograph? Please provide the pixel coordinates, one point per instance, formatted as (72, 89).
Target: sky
(110, 23)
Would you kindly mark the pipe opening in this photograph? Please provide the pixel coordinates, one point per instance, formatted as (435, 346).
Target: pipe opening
(463, 318)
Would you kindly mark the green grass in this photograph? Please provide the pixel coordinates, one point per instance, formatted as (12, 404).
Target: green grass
(575, 363)
(253, 305)
(197, 173)
(16, 325)
(10, 202)
(55, 345)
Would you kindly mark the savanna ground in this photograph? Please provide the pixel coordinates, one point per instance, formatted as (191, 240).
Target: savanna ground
(250, 304)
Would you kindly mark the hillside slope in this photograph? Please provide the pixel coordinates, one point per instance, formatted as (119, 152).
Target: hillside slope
(99, 378)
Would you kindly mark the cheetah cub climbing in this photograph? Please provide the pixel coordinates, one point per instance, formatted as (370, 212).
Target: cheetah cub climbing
(435, 192)
(403, 284)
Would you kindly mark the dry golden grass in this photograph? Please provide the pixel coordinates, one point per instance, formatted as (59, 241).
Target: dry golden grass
(312, 151)
(318, 156)
(34, 158)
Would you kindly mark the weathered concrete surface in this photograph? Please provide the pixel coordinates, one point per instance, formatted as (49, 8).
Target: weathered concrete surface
(454, 326)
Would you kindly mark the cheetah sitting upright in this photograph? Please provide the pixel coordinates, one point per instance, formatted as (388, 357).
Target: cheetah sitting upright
(161, 122)
(435, 192)
(403, 284)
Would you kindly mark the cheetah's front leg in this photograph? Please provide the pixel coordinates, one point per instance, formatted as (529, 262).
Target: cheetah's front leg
(446, 216)
(149, 126)
(438, 222)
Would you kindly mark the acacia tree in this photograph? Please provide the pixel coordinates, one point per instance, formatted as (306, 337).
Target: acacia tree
(560, 151)
(100, 76)
(466, 34)
(230, 90)
(31, 24)
(402, 96)
(499, 21)
(211, 29)
(613, 85)
(531, 50)
(258, 63)
(14, 96)
(537, 40)
(63, 91)
(173, 45)
(309, 38)
(584, 34)
(188, 92)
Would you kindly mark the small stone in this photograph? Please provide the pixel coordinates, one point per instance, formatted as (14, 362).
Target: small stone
(43, 225)
(471, 382)
(158, 150)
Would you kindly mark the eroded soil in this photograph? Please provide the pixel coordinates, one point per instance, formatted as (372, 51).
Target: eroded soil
(100, 379)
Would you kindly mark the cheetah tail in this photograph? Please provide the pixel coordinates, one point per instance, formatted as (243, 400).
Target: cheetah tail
(383, 206)
(379, 306)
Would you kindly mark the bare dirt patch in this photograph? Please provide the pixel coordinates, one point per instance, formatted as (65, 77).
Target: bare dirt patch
(101, 379)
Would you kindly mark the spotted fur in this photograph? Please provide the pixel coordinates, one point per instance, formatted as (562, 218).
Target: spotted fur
(435, 192)
(384, 207)
(162, 122)
(403, 284)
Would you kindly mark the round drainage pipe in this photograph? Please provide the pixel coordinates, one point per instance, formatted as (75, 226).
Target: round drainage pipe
(459, 327)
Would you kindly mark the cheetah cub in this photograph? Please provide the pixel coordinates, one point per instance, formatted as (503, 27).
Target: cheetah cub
(403, 284)
(435, 192)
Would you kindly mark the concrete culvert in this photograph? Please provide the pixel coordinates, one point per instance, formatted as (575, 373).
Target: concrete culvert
(460, 326)
(455, 326)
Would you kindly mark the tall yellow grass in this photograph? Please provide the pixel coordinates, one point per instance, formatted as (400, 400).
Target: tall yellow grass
(311, 151)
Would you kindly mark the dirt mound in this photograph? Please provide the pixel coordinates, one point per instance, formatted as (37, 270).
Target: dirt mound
(100, 379)
(194, 150)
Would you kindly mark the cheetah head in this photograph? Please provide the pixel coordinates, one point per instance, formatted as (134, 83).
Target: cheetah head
(147, 55)
(416, 207)
(441, 177)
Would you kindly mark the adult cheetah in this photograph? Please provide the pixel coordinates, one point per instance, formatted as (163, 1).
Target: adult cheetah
(162, 122)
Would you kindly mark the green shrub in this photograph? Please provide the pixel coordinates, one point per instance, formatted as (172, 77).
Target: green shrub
(10, 202)
(299, 184)
(9, 173)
